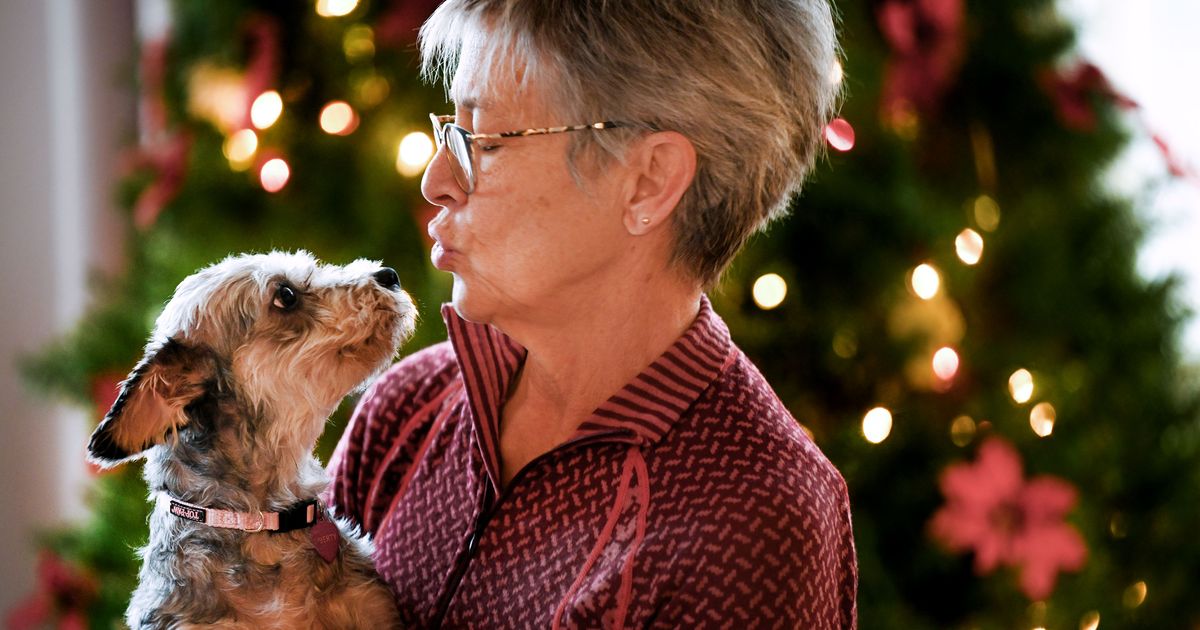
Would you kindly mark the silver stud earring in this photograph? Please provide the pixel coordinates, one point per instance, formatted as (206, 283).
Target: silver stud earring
(645, 220)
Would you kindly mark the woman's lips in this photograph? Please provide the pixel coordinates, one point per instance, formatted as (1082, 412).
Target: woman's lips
(443, 257)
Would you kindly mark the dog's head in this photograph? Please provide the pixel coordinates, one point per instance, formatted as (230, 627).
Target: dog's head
(281, 334)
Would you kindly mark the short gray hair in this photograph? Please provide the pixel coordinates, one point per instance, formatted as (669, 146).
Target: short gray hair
(748, 82)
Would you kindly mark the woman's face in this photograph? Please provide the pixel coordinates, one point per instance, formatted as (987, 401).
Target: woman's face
(527, 243)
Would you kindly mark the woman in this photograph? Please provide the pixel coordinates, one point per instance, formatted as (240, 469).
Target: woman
(590, 448)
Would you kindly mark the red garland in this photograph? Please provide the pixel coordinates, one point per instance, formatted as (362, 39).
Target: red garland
(1073, 90)
(262, 63)
(161, 151)
(926, 38)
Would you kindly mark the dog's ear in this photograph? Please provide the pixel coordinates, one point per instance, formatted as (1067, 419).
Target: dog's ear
(152, 401)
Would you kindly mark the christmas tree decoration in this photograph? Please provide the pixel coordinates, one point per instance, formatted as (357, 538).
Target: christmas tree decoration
(927, 39)
(967, 278)
(336, 8)
(415, 151)
(1020, 386)
(969, 246)
(877, 425)
(945, 363)
(274, 174)
(338, 118)
(1006, 520)
(839, 134)
(266, 109)
(925, 281)
(1042, 418)
(769, 291)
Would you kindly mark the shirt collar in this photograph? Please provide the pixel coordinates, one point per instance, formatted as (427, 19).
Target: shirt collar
(641, 412)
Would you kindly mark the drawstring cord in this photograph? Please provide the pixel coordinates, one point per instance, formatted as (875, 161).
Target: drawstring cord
(634, 464)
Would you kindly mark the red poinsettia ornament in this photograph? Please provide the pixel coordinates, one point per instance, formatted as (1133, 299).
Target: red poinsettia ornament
(1005, 519)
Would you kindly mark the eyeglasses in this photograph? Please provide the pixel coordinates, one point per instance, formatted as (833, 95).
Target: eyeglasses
(459, 141)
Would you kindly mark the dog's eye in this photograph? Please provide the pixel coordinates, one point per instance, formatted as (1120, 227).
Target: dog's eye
(286, 298)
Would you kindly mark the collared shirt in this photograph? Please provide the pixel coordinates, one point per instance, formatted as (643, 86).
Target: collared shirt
(690, 498)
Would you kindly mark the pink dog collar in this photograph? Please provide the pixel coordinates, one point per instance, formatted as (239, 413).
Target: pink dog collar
(299, 516)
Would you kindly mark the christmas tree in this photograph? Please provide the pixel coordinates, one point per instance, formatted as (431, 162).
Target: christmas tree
(951, 310)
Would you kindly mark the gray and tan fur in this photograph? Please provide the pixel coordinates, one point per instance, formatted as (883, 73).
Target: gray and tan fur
(237, 383)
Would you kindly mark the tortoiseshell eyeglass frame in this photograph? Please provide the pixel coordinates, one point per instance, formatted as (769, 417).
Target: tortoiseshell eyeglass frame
(463, 166)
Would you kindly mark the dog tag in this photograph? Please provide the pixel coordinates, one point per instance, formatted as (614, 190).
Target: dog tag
(326, 539)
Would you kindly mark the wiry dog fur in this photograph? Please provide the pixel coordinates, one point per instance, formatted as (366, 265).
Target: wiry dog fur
(235, 387)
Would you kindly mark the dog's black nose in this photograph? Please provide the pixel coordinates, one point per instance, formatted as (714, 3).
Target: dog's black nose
(387, 278)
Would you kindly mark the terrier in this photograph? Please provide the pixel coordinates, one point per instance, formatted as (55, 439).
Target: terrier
(245, 365)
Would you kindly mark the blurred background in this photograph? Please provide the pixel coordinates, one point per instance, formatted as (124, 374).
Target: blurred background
(980, 308)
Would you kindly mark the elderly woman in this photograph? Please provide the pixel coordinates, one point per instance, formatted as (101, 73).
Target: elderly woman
(590, 448)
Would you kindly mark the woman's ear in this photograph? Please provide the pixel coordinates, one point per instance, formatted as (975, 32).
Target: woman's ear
(663, 165)
(152, 401)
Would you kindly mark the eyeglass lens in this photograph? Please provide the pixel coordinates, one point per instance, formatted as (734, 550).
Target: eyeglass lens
(460, 157)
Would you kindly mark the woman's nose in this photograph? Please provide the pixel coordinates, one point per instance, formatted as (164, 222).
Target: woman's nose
(438, 185)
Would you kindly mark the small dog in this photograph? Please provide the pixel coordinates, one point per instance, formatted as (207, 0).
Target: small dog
(245, 365)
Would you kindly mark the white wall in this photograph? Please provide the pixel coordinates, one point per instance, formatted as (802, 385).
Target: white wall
(66, 110)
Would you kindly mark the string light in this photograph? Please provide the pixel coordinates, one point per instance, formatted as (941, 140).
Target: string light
(836, 73)
(239, 148)
(1020, 385)
(769, 291)
(969, 246)
(987, 213)
(335, 8)
(359, 43)
(925, 281)
(839, 134)
(1135, 595)
(945, 363)
(1041, 418)
(1090, 621)
(274, 175)
(414, 153)
(877, 425)
(338, 118)
(962, 431)
(266, 109)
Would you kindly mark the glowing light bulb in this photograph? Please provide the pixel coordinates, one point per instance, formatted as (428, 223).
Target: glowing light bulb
(839, 134)
(925, 281)
(962, 431)
(1020, 385)
(274, 175)
(1135, 595)
(415, 151)
(987, 213)
(266, 109)
(769, 291)
(335, 8)
(1090, 621)
(1041, 418)
(359, 42)
(877, 425)
(836, 73)
(239, 148)
(338, 118)
(969, 246)
(945, 363)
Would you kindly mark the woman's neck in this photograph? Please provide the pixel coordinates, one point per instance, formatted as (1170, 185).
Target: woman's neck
(594, 347)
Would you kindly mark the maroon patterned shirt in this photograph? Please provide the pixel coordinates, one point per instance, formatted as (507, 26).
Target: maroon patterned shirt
(691, 498)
